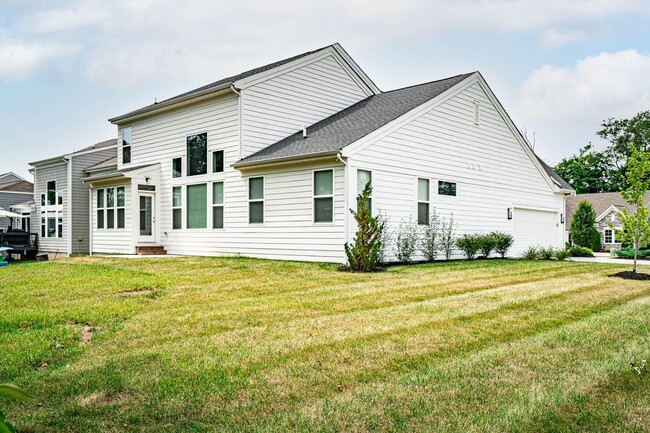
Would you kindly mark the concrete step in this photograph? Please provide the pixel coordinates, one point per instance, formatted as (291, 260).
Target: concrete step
(150, 250)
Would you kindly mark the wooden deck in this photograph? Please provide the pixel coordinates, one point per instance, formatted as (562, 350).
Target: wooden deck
(25, 244)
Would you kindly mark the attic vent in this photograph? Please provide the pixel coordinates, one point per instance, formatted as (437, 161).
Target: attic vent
(477, 112)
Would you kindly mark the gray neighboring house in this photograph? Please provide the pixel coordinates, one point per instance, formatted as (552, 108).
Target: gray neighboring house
(13, 190)
(61, 200)
(606, 205)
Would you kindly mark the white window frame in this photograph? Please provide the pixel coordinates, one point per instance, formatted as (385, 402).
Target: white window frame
(130, 145)
(115, 208)
(179, 207)
(371, 193)
(181, 170)
(207, 155)
(222, 205)
(445, 195)
(419, 201)
(207, 207)
(54, 210)
(262, 200)
(223, 161)
(612, 237)
(314, 196)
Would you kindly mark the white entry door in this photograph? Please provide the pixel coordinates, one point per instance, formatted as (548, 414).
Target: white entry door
(147, 217)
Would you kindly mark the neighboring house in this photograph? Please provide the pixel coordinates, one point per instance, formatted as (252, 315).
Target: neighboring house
(61, 200)
(606, 205)
(13, 190)
(268, 163)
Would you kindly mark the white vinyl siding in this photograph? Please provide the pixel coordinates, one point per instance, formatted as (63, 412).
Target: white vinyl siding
(115, 240)
(58, 173)
(282, 105)
(491, 170)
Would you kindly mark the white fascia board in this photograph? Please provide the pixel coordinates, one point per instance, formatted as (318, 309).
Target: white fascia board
(86, 152)
(357, 69)
(607, 212)
(352, 148)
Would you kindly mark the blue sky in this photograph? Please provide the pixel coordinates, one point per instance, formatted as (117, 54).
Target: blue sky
(558, 67)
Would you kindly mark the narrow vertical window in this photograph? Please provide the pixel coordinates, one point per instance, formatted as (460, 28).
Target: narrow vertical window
(126, 145)
(217, 205)
(217, 161)
(197, 154)
(197, 206)
(110, 208)
(121, 217)
(42, 224)
(324, 196)
(177, 212)
(51, 193)
(423, 201)
(364, 177)
(177, 167)
(100, 209)
(256, 200)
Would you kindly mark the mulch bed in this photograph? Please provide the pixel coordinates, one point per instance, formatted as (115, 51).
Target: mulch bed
(629, 275)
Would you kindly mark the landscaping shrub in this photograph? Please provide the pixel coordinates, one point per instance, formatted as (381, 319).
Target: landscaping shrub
(562, 254)
(583, 224)
(577, 251)
(487, 244)
(447, 236)
(469, 245)
(430, 240)
(363, 255)
(384, 237)
(504, 242)
(628, 253)
(595, 241)
(406, 240)
(530, 253)
(547, 253)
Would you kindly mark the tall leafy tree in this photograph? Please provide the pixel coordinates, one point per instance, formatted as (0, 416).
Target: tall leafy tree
(589, 171)
(636, 228)
(583, 224)
(621, 133)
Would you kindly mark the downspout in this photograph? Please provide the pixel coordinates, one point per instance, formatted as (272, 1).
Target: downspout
(90, 220)
(69, 205)
(345, 195)
(239, 115)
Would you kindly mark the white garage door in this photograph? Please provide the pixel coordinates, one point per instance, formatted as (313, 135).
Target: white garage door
(535, 227)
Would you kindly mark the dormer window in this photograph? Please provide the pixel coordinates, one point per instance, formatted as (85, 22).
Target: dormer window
(126, 145)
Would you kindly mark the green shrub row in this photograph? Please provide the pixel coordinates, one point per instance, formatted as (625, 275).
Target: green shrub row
(549, 253)
(628, 253)
(472, 244)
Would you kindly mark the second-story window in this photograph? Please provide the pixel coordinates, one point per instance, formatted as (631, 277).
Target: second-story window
(197, 154)
(126, 145)
(217, 161)
(177, 167)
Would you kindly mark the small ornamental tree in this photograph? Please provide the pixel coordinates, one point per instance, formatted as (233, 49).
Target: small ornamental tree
(447, 236)
(636, 229)
(364, 254)
(430, 241)
(583, 224)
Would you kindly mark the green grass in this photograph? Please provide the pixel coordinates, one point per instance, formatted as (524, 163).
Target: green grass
(232, 344)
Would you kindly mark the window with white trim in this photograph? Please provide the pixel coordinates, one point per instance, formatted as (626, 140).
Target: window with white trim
(197, 206)
(324, 196)
(423, 201)
(52, 212)
(177, 208)
(126, 145)
(364, 177)
(256, 200)
(217, 205)
(197, 154)
(446, 188)
(177, 167)
(217, 161)
(111, 212)
(609, 236)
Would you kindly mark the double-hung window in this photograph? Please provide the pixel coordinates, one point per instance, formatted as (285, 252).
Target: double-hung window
(609, 236)
(423, 201)
(217, 205)
(177, 211)
(256, 200)
(197, 154)
(364, 177)
(197, 206)
(126, 145)
(324, 196)
(52, 212)
(101, 209)
(120, 207)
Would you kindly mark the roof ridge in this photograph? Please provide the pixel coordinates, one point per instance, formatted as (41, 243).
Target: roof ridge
(427, 83)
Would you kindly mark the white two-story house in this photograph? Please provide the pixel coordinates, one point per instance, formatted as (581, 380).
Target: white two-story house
(268, 163)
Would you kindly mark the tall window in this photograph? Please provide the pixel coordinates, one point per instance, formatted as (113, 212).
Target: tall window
(177, 167)
(217, 205)
(363, 178)
(111, 211)
(197, 154)
(423, 201)
(126, 145)
(256, 200)
(324, 196)
(197, 206)
(177, 212)
(217, 161)
(446, 188)
(609, 236)
(52, 212)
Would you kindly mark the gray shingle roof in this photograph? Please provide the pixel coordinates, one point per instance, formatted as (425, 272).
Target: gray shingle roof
(349, 125)
(563, 183)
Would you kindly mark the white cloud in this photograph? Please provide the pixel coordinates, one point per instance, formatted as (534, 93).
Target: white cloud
(552, 38)
(20, 60)
(75, 17)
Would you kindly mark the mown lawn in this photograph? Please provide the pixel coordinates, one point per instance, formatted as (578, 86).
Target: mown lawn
(233, 344)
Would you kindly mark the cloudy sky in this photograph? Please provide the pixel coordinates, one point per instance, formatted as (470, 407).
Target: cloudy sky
(559, 67)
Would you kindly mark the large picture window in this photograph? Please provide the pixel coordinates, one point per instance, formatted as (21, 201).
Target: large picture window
(256, 200)
(217, 205)
(52, 212)
(423, 201)
(197, 207)
(364, 177)
(197, 154)
(126, 145)
(324, 196)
